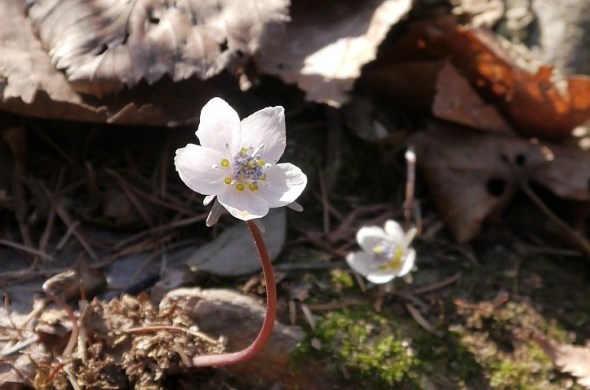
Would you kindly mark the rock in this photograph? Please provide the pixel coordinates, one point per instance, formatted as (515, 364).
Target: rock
(220, 312)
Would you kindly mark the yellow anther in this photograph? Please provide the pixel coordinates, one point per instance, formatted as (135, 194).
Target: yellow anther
(244, 151)
(378, 250)
(399, 253)
(240, 187)
(225, 163)
(395, 262)
(260, 163)
(227, 180)
(253, 187)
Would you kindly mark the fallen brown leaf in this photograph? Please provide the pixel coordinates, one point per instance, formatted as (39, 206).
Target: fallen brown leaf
(457, 101)
(537, 104)
(533, 98)
(323, 51)
(30, 85)
(572, 359)
(103, 45)
(473, 175)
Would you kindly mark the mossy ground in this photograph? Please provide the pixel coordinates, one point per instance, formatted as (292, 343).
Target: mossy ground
(511, 287)
(482, 341)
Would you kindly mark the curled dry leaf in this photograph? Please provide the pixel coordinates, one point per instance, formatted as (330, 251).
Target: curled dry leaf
(327, 43)
(103, 45)
(574, 360)
(474, 175)
(537, 103)
(531, 97)
(30, 85)
(480, 13)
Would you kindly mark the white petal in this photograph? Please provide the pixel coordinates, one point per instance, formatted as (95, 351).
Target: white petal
(370, 236)
(195, 165)
(244, 205)
(380, 277)
(208, 199)
(216, 211)
(408, 264)
(266, 127)
(410, 236)
(365, 265)
(394, 231)
(295, 206)
(284, 183)
(219, 125)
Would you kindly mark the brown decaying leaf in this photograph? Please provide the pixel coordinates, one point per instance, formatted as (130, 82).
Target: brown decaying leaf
(574, 360)
(103, 45)
(536, 105)
(474, 175)
(30, 85)
(458, 102)
(322, 51)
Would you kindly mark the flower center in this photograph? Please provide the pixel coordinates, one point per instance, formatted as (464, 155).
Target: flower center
(247, 169)
(390, 255)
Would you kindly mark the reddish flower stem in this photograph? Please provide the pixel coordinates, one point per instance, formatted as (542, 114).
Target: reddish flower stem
(226, 359)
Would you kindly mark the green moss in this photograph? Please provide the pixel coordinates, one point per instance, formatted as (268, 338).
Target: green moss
(365, 346)
(341, 280)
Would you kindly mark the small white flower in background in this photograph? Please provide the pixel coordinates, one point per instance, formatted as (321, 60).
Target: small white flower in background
(237, 162)
(386, 252)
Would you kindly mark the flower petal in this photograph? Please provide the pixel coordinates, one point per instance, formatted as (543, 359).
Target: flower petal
(216, 211)
(219, 125)
(380, 277)
(408, 263)
(394, 231)
(266, 127)
(365, 265)
(410, 236)
(284, 183)
(244, 205)
(370, 236)
(195, 165)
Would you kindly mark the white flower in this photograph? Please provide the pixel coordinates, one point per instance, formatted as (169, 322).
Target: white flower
(386, 252)
(237, 162)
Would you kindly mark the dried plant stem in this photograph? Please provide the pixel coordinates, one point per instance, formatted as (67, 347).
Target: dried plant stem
(72, 317)
(226, 359)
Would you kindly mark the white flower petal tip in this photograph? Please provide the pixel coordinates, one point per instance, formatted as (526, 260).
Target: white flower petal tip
(295, 206)
(216, 211)
(236, 162)
(386, 252)
(208, 199)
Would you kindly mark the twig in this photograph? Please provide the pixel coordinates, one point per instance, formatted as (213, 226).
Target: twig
(25, 249)
(156, 328)
(436, 286)
(580, 241)
(20, 345)
(325, 202)
(75, 328)
(419, 318)
(410, 185)
(333, 305)
(67, 220)
(161, 228)
(64, 240)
